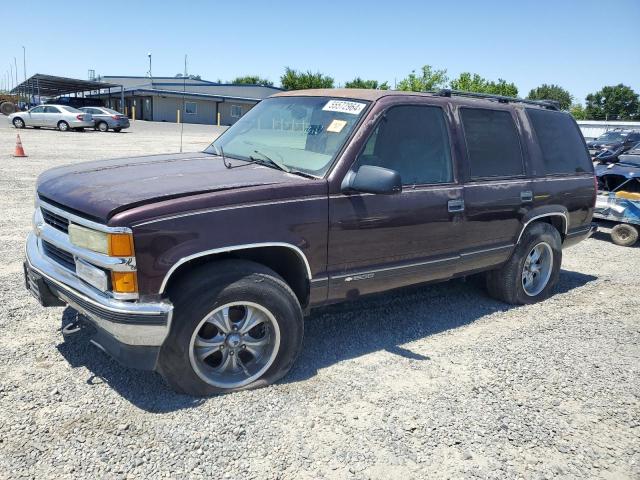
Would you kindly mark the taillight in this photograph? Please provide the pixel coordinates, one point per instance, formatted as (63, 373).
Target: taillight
(115, 117)
(80, 117)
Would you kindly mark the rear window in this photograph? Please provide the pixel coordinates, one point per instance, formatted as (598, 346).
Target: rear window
(493, 145)
(560, 140)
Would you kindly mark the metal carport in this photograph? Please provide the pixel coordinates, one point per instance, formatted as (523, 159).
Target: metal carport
(52, 86)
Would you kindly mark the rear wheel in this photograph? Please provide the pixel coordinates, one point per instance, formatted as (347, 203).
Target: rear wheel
(63, 126)
(236, 325)
(18, 122)
(103, 127)
(532, 271)
(624, 234)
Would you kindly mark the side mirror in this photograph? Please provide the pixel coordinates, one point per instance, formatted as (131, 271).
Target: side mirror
(372, 179)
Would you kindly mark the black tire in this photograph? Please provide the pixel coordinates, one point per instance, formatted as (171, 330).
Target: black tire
(63, 126)
(18, 122)
(506, 283)
(103, 126)
(624, 235)
(7, 108)
(214, 285)
(117, 130)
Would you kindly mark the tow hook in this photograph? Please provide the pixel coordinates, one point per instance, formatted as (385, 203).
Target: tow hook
(71, 328)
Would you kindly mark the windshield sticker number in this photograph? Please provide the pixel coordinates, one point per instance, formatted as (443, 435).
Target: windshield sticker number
(344, 106)
(336, 126)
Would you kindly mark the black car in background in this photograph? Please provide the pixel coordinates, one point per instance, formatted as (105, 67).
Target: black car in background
(614, 141)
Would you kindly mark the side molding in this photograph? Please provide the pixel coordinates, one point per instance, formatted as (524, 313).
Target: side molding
(232, 248)
(565, 222)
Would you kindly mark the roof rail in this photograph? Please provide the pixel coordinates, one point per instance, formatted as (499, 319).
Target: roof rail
(446, 92)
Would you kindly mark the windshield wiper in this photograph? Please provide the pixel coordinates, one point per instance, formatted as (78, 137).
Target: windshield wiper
(268, 161)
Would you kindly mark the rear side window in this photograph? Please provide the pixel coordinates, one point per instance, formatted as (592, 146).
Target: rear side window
(493, 145)
(560, 141)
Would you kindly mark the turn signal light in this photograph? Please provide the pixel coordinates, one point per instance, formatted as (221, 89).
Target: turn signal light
(124, 282)
(120, 245)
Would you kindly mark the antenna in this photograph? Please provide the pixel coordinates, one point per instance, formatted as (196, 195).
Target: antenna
(184, 90)
(224, 159)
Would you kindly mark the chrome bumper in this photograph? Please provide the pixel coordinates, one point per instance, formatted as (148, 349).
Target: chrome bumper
(129, 323)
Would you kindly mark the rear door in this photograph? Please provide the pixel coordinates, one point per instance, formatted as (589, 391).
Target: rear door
(379, 242)
(498, 191)
(51, 116)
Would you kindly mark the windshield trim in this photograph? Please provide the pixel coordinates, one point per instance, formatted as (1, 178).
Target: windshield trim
(336, 157)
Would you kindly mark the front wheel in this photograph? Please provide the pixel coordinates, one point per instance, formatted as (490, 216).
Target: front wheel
(18, 122)
(63, 126)
(103, 127)
(236, 325)
(533, 269)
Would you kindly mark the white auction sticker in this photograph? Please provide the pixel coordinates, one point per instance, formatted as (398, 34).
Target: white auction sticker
(344, 106)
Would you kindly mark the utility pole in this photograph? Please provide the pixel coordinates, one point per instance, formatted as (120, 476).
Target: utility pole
(150, 74)
(11, 73)
(15, 64)
(24, 62)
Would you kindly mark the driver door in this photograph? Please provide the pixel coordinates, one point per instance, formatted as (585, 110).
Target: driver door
(35, 117)
(378, 242)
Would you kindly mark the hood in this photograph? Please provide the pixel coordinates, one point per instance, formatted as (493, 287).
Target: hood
(610, 145)
(103, 188)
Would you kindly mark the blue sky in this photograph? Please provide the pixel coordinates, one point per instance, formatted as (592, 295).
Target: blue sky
(526, 42)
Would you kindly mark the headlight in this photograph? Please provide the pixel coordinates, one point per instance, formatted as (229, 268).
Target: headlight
(112, 244)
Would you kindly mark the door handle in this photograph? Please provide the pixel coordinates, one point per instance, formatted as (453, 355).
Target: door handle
(455, 205)
(526, 196)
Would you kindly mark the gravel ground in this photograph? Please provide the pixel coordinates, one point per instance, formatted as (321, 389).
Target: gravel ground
(438, 381)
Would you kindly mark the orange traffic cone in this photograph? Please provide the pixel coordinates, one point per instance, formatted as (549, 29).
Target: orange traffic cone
(19, 150)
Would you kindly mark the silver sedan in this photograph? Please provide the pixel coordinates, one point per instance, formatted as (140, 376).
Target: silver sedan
(61, 117)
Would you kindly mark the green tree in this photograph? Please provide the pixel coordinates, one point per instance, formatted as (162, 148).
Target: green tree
(578, 112)
(552, 92)
(429, 79)
(294, 80)
(617, 102)
(252, 80)
(360, 83)
(472, 82)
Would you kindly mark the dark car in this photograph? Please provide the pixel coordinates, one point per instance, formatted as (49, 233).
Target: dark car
(106, 118)
(201, 266)
(613, 143)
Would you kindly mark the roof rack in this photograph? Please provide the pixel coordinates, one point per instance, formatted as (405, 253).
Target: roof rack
(446, 92)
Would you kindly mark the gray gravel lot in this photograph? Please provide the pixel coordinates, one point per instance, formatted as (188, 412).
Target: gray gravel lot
(438, 381)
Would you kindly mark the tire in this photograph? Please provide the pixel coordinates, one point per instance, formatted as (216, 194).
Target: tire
(63, 126)
(235, 287)
(117, 130)
(7, 108)
(103, 127)
(18, 122)
(514, 282)
(624, 234)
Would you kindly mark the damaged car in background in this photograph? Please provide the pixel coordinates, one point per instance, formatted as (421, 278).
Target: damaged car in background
(618, 198)
(608, 146)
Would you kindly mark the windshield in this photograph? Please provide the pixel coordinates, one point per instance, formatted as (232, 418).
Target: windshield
(610, 137)
(300, 133)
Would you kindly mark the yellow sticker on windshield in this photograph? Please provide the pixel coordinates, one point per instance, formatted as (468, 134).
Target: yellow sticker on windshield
(336, 126)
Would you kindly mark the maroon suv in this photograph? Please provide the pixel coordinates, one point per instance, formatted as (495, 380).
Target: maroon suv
(202, 265)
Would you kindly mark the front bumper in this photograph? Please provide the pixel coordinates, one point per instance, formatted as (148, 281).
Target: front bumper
(131, 332)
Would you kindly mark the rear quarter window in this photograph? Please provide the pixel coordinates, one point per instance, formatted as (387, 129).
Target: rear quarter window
(562, 145)
(493, 144)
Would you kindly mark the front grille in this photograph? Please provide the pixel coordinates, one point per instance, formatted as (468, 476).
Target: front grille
(60, 256)
(55, 220)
